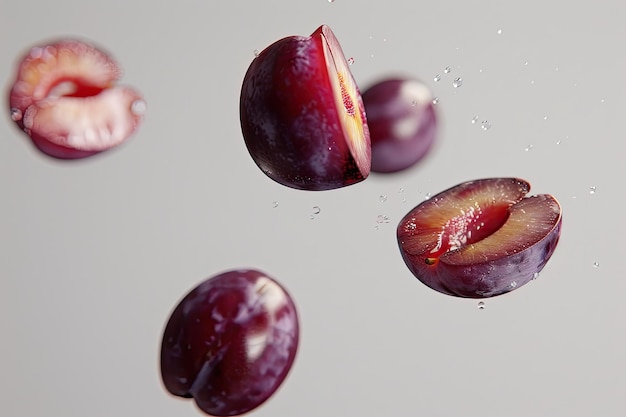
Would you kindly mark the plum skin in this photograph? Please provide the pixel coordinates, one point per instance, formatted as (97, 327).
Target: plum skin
(230, 342)
(402, 122)
(290, 121)
(495, 275)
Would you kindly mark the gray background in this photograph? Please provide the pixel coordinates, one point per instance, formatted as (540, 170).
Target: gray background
(96, 253)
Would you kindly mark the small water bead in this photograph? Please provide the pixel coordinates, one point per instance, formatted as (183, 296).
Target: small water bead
(274, 204)
(526, 63)
(481, 305)
(596, 264)
(602, 101)
(532, 82)
(401, 190)
(413, 103)
(513, 284)
(382, 198)
(256, 52)
(427, 196)
(350, 61)
(528, 148)
(485, 125)
(535, 275)
(447, 70)
(382, 219)
(16, 114)
(592, 189)
(474, 120)
(437, 78)
(316, 210)
(457, 82)
(545, 117)
(499, 32)
(331, 1)
(436, 100)
(558, 142)
(138, 107)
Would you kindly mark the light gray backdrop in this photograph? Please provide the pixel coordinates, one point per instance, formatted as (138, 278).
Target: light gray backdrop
(96, 253)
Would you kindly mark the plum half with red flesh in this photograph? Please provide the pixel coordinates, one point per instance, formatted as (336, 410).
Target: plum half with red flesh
(480, 238)
(230, 342)
(65, 99)
(302, 116)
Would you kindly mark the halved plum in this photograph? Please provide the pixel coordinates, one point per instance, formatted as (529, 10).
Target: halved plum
(65, 99)
(480, 238)
(230, 342)
(302, 116)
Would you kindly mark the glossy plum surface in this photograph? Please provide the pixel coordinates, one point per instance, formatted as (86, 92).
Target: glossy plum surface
(65, 99)
(402, 122)
(302, 116)
(230, 342)
(480, 238)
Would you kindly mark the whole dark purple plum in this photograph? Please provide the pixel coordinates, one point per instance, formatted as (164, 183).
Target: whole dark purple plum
(402, 123)
(230, 342)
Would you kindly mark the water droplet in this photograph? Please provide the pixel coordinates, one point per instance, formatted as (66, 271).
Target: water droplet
(427, 196)
(384, 39)
(596, 264)
(499, 32)
(545, 117)
(457, 82)
(485, 125)
(532, 82)
(436, 100)
(331, 1)
(437, 78)
(312, 217)
(350, 61)
(16, 114)
(481, 305)
(316, 210)
(535, 275)
(404, 200)
(474, 120)
(382, 198)
(528, 148)
(414, 103)
(274, 204)
(382, 219)
(256, 52)
(602, 100)
(592, 189)
(526, 63)
(138, 107)
(401, 190)
(513, 284)
(558, 142)
(372, 56)
(557, 69)
(447, 70)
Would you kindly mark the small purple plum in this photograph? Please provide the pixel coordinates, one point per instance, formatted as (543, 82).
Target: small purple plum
(402, 122)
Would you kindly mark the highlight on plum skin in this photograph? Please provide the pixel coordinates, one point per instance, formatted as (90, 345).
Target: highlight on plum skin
(65, 98)
(230, 342)
(481, 238)
(402, 122)
(302, 115)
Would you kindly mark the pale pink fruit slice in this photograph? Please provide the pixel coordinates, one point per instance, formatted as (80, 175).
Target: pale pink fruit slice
(64, 98)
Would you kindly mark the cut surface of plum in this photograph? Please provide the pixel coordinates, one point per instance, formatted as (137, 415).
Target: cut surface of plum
(302, 116)
(65, 99)
(230, 342)
(481, 238)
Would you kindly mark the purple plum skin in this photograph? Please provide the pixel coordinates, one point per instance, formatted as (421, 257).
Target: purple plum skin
(230, 342)
(290, 121)
(403, 127)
